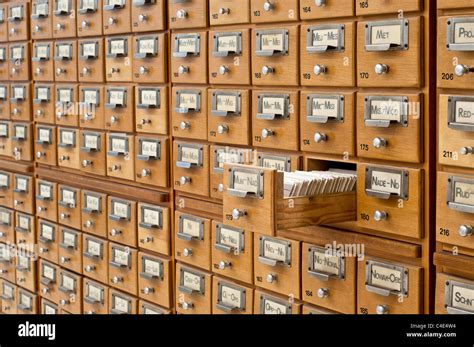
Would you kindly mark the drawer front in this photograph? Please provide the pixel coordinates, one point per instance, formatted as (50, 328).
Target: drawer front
(70, 292)
(20, 102)
(264, 11)
(92, 155)
(42, 61)
(4, 62)
(5, 139)
(9, 299)
(390, 199)
(64, 18)
(193, 240)
(47, 200)
(380, 6)
(93, 100)
(68, 148)
(328, 55)
(189, 113)
(189, 57)
(455, 206)
(6, 188)
(389, 288)
(4, 23)
(226, 12)
(23, 193)
(275, 122)
(390, 126)
(65, 97)
(229, 56)
(4, 100)
(22, 144)
(48, 307)
(91, 61)
(274, 53)
(310, 9)
(95, 258)
(120, 160)
(328, 123)
(381, 49)
(453, 295)
(191, 171)
(187, 14)
(48, 280)
(193, 291)
(119, 58)
(148, 16)
(122, 221)
(151, 160)
(117, 17)
(276, 265)
(231, 298)
(26, 272)
(229, 116)
(266, 303)
(48, 240)
(149, 58)
(65, 61)
(155, 279)
(232, 252)
(70, 249)
(151, 109)
(69, 206)
(120, 303)
(7, 264)
(19, 63)
(27, 302)
(94, 213)
(329, 280)
(45, 145)
(147, 308)
(447, 4)
(89, 18)
(95, 298)
(44, 109)
(25, 229)
(456, 130)
(119, 107)
(154, 228)
(123, 268)
(7, 229)
(18, 21)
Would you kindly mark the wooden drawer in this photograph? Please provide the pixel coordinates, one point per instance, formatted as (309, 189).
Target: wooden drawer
(18, 21)
(48, 240)
(95, 297)
(45, 144)
(4, 22)
(456, 130)
(120, 303)
(377, 7)
(229, 56)
(66, 99)
(455, 210)
(94, 213)
(95, 258)
(19, 61)
(329, 280)
(328, 55)
(447, 4)
(27, 302)
(91, 64)
(275, 119)
(23, 193)
(389, 199)
(391, 127)
(7, 263)
(92, 154)
(44, 109)
(147, 308)
(189, 113)
(151, 109)
(274, 53)
(226, 12)
(70, 291)
(4, 101)
(6, 139)
(122, 221)
(150, 58)
(20, 102)
(42, 63)
(22, 141)
(219, 155)
(7, 229)
(65, 61)
(148, 15)
(328, 123)
(8, 297)
(191, 171)
(189, 57)
(68, 148)
(267, 11)
(26, 271)
(229, 116)
(120, 159)
(382, 48)
(25, 229)
(389, 288)
(64, 19)
(155, 279)
(151, 160)
(70, 249)
(123, 268)
(193, 240)
(92, 112)
(6, 188)
(119, 107)
(266, 303)
(310, 9)
(187, 14)
(154, 228)
(47, 200)
(48, 307)
(232, 252)
(69, 206)
(119, 58)
(231, 298)
(117, 17)
(193, 290)
(89, 17)
(453, 295)
(4, 62)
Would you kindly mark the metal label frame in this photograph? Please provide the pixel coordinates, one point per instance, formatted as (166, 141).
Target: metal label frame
(61, 201)
(404, 181)
(35, 57)
(57, 57)
(448, 296)
(109, 7)
(270, 116)
(385, 123)
(90, 89)
(12, 289)
(21, 304)
(234, 150)
(404, 36)
(20, 46)
(185, 110)
(25, 130)
(6, 126)
(5, 92)
(124, 250)
(264, 298)
(452, 124)
(19, 177)
(186, 237)
(141, 156)
(84, 202)
(142, 105)
(10, 215)
(158, 209)
(148, 276)
(224, 307)
(84, 10)
(258, 42)
(322, 275)
(27, 218)
(113, 310)
(116, 218)
(34, 14)
(62, 244)
(108, 104)
(450, 32)
(244, 194)
(86, 248)
(59, 90)
(139, 3)
(225, 248)
(262, 157)
(113, 137)
(84, 148)
(13, 97)
(58, 12)
(53, 232)
(271, 262)
(37, 100)
(81, 49)
(60, 140)
(12, 18)
(452, 180)
(238, 106)
(8, 177)
(91, 300)
(215, 46)
(340, 100)
(310, 48)
(197, 46)
(138, 55)
(3, 54)
(384, 291)
(186, 165)
(109, 47)
(50, 135)
(184, 289)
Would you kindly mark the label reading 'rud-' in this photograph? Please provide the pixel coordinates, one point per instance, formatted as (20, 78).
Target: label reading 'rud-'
(464, 193)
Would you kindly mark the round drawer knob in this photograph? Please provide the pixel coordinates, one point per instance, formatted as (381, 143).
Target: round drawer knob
(89, 224)
(114, 119)
(220, 187)
(461, 70)
(63, 216)
(271, 278)
(64, 302)
(223, 69)
(268, 6)
(45, 290)
(379, 142)
(181, 14)
(115, 232)
(381, 309)
(465, 230)
(266, 70)
(86, 70)
(3, 271)
(15, 112)
(114, 70)
(320, 3)
(37, 29)
(222, 129)
(59, 26)
(84, 24)
(237, 214)
(187, 252)
(185, 125)
(89, 268)
(318, 137)
(380, 216)
(86, 163)
(224, 10)
(12, 31)
(187, 306)
(320, 69)
(323, 293)
(88, 116)
(466, 150)
(112, 20)
(64, 260)
(39, 155)
(39, 113)
(266, 133)
(148, 290)
(147, 239)
(183, 69)
(142, 18)
(59, 115)
(63, 158)
(2, 234)
(223, 264)
(381, 69)
(117, 279)
(90, 312)
(17, 202)
(38, 71)
(59, 71)
(145, 173)
(143, 70)
(184, 180)
(41, 209)
(144, 121)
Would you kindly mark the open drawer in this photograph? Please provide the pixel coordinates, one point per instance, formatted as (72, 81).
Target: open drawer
(254, 200)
